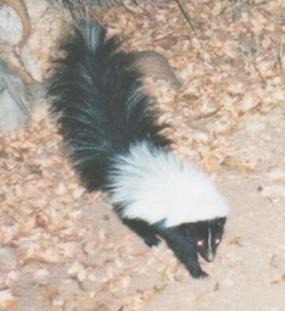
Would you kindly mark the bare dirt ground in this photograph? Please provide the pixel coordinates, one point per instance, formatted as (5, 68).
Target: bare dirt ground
(63, 249)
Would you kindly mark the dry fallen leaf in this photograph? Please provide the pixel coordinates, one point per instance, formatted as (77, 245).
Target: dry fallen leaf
(7, 300)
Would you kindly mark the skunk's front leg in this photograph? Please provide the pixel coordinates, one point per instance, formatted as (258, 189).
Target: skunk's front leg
(143, 230)
(184, 249)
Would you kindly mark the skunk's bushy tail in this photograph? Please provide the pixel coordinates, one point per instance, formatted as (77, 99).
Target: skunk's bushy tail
(99, 103)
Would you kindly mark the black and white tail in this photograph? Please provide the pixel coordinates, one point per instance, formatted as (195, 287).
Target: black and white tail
(99, 103)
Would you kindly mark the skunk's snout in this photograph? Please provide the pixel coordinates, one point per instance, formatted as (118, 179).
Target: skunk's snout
(210, 256)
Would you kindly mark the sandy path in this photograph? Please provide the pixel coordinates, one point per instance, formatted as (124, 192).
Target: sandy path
(63, 249)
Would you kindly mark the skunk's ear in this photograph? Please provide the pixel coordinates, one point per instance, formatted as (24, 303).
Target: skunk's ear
(221, 221)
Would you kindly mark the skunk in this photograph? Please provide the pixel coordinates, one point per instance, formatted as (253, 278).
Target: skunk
(110, 127)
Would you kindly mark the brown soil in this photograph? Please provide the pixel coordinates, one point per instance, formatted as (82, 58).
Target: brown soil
(63, 249)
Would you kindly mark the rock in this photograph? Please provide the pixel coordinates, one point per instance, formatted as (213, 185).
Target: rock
(13, 99)
(7, 300)
(8, 259)
(11, 28)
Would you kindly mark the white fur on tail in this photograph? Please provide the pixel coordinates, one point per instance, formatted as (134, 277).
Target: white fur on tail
(152, 184)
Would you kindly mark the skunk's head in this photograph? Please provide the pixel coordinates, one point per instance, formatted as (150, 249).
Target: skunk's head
(206, 236)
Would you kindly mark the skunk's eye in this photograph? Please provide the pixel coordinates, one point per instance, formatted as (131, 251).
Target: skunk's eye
(217, 241)
(200, 243)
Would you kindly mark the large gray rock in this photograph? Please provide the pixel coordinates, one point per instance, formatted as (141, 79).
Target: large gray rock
(11, 28)
(14, 110)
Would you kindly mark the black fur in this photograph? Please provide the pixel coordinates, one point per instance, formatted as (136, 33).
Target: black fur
(144, 230)
(99, 104)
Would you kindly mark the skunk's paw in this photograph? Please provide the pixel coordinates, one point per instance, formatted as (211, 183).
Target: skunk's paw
(151, 240)
(199, 274)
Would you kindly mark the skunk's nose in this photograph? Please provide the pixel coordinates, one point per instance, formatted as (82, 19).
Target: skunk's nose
(210, 257)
